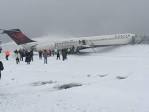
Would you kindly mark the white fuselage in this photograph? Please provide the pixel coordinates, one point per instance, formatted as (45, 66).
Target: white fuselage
(105, 40)
(117, 39)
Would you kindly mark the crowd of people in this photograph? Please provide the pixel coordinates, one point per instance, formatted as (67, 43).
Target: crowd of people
(22, 53)
(27, 55)
(47, 53)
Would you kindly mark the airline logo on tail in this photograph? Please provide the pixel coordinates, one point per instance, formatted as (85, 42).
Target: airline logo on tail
(17, 36)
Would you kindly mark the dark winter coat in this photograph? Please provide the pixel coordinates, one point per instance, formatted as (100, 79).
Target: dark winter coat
(1, 66)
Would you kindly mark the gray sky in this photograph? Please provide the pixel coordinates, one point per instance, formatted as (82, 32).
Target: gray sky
(75, 17)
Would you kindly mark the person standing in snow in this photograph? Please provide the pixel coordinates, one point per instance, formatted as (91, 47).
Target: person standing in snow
(49, 52)
(52, 52)
(1, 68)
(28, 57)
(22, 54)
(40, 54)
(32, 54)
(58, 55)
(17, 55)
(45, 56)
(64, 54)
(17, 60)
(0, 49)
(7, 54)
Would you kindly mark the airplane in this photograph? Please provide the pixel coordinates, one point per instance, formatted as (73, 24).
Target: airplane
(78, 43)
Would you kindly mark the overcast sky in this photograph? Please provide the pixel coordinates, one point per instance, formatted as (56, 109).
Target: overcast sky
(75, 17)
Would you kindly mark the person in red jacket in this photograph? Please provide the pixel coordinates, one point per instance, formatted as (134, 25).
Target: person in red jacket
(7, 54)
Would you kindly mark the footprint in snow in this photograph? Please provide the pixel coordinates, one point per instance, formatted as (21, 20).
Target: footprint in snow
(121, 77)
(67, 86)
(40, 83)
(103, 75)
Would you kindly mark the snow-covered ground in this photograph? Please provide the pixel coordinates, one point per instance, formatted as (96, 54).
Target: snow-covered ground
(113, 79)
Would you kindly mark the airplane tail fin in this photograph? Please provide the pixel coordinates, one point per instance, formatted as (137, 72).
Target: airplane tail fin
(17, 36)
